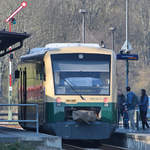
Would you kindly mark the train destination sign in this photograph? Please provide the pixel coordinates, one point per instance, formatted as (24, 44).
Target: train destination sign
(127, 56)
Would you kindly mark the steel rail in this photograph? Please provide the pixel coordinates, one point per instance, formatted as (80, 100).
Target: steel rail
(112, 147)
(71, 147)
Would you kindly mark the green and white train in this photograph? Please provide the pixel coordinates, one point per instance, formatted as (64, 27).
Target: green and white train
(75, 87)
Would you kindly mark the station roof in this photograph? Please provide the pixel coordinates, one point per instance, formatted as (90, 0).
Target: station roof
(8, 39)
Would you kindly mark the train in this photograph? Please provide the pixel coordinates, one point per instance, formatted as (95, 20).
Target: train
(74, 85)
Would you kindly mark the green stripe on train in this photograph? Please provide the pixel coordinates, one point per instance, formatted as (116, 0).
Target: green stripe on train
(55, 112)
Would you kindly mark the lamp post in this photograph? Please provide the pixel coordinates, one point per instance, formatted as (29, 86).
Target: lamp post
(113, 29)
(83, 12)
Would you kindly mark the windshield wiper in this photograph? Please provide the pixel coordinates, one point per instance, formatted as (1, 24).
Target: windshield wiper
(74, 89)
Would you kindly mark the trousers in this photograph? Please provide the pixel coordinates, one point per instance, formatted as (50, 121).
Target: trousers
(131, 118)
(144, 119)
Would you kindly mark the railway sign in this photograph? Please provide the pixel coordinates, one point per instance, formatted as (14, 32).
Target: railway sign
(22, 5)
(127, 56)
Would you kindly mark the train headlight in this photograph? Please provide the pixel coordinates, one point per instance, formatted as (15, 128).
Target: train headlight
(58, 101)
(106, 102)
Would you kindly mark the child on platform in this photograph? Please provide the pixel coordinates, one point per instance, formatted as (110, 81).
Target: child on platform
(125, 117)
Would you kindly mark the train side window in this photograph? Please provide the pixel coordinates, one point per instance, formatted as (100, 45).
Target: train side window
(40, 71)
(43, 66)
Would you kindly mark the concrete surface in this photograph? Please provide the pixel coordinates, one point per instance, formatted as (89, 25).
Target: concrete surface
(139, 139)
(8, 135)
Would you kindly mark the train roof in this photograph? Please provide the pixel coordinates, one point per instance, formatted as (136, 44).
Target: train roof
(63, 45)
(38, 53)
(35, 53)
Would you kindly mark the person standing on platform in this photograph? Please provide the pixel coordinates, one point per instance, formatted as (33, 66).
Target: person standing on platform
(143, 106)
(120, 102)
(131, 105)
(125, 117)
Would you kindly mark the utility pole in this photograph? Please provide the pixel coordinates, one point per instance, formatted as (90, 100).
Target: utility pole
(127, 46)
(127, 21)
(127, 27)
(83, 12)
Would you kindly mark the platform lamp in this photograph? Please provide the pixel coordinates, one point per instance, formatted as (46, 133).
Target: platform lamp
(83, 12)
(113, 29)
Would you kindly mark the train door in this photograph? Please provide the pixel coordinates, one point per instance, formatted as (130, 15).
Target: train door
(40, 89)
(31, 91)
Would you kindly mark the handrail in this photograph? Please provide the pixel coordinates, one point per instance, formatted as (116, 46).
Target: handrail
(37, 115)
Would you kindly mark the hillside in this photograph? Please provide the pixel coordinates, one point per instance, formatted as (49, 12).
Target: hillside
(52, 21)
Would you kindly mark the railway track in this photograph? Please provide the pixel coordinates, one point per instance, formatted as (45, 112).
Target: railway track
(89, 146)
(80, 145)
(71, 147)
(102, 147)
(111, 147)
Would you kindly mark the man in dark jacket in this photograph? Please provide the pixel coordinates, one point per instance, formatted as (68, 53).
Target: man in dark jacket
(143, 108)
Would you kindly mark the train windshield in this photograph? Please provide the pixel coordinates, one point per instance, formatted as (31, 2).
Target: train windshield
(83, 74)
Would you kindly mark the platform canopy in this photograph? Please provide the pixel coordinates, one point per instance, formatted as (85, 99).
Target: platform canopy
(8, 39)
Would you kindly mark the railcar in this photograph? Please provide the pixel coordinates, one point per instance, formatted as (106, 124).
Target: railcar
(75, 87)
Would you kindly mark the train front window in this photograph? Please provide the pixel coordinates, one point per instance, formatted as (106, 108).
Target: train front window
(75, 75)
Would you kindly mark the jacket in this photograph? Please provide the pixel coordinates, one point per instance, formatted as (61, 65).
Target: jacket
(144, 103)
(131, 101)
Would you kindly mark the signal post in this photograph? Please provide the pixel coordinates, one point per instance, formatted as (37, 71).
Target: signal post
(11, 20)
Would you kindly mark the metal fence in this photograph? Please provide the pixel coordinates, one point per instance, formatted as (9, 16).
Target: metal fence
(22, 105)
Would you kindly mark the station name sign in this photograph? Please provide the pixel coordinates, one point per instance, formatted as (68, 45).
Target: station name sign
(127, 56)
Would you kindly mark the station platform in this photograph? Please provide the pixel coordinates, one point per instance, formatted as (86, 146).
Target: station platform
(132, 140)
(10, 135)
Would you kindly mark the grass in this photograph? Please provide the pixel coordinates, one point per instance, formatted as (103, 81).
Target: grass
(17, 146)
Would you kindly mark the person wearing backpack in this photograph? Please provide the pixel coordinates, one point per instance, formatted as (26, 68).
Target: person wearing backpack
(143, 105)
(131, 102)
